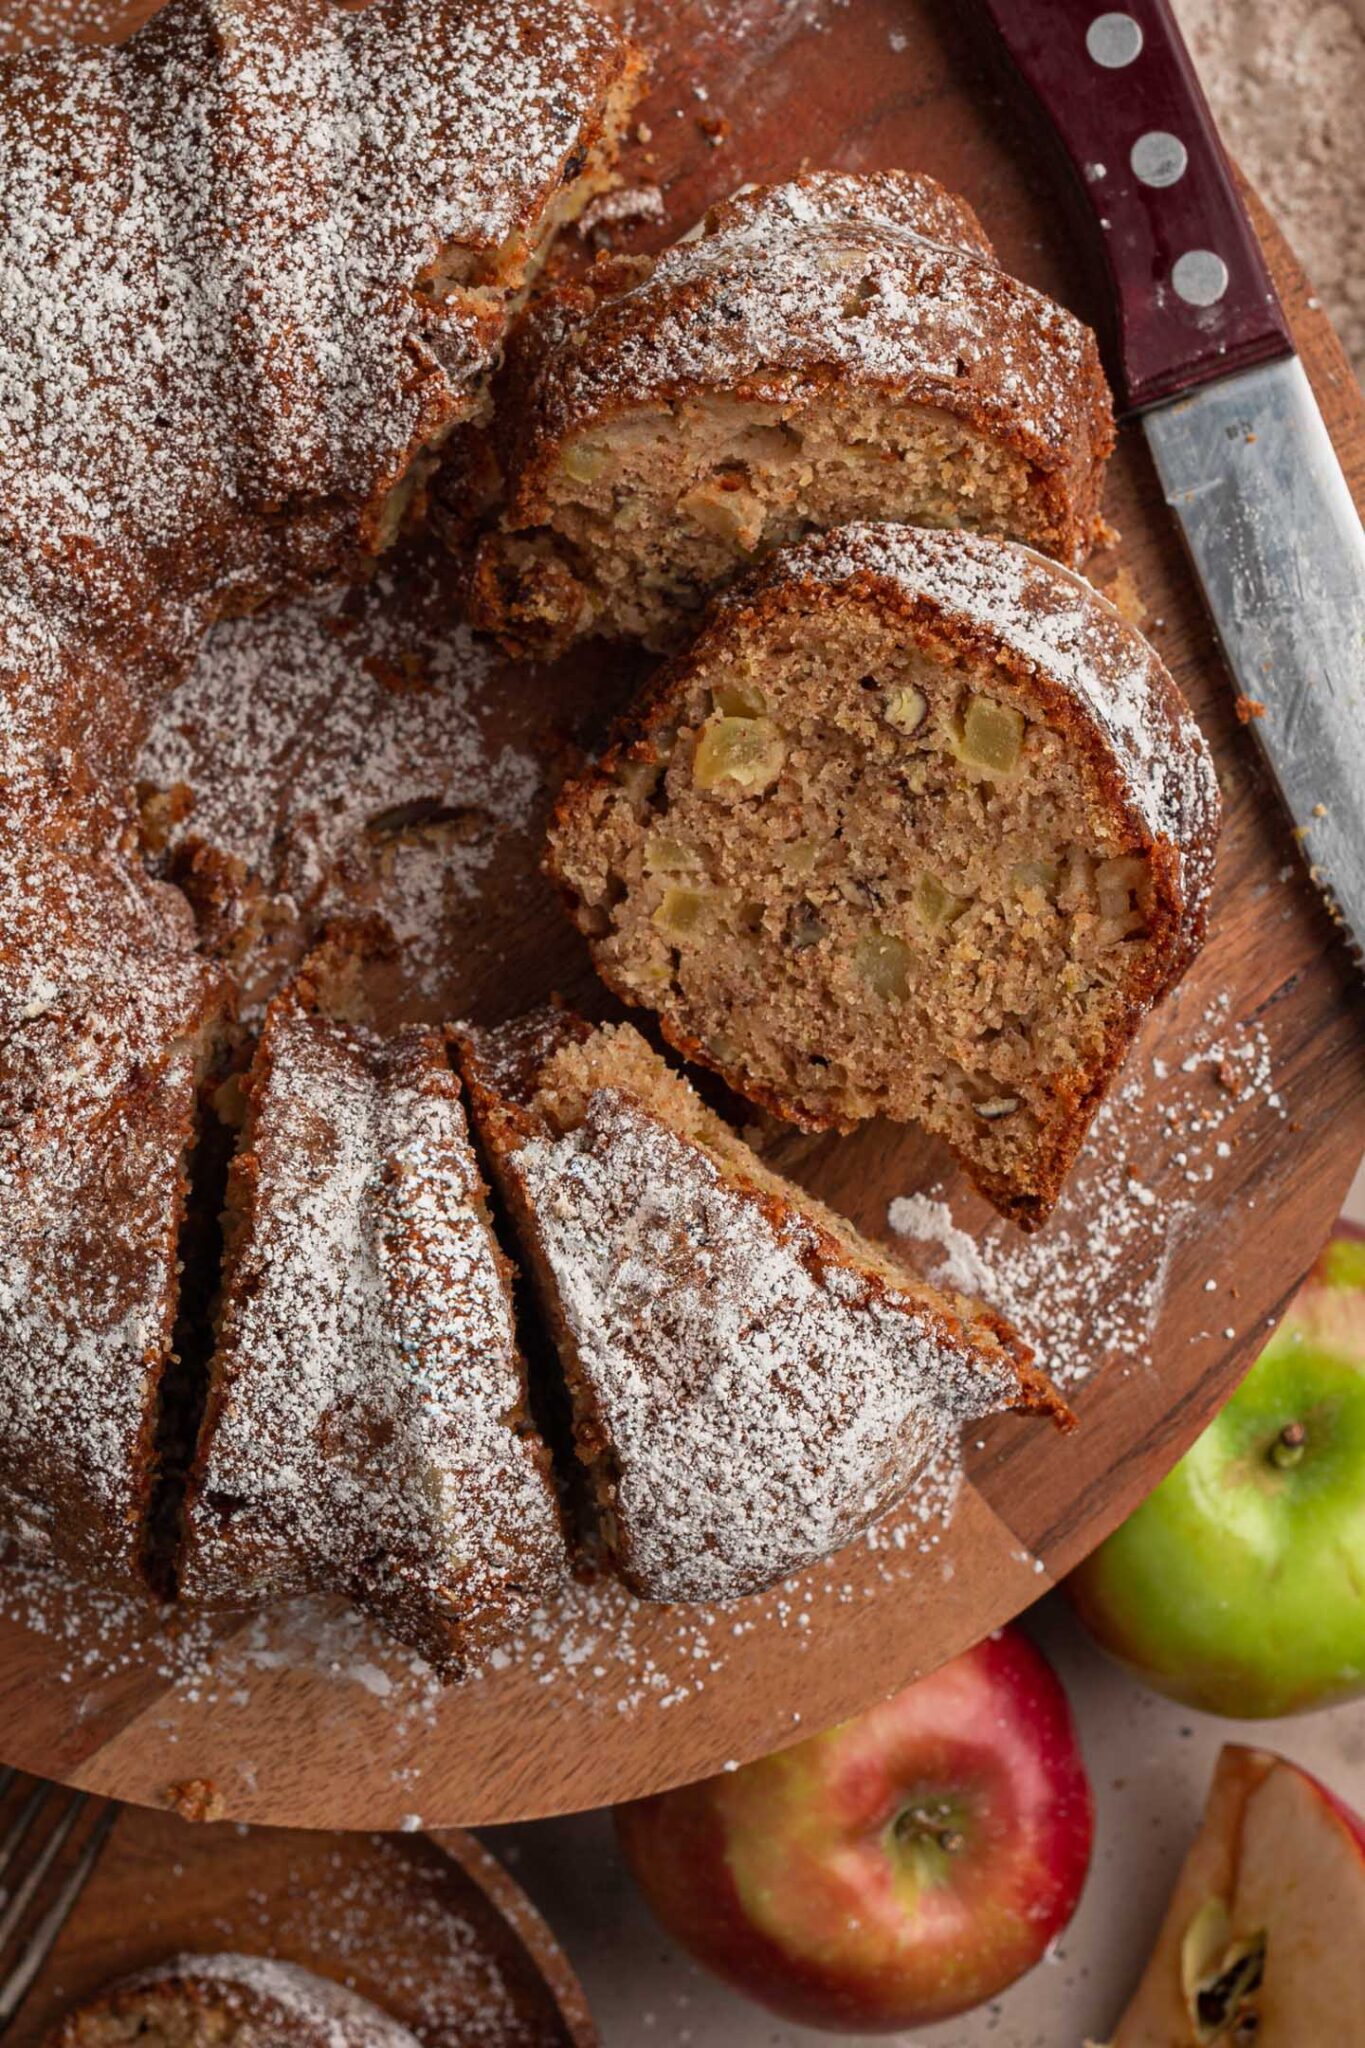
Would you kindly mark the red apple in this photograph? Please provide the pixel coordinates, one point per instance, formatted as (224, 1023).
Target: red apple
(901, 1868)
(1264, 1939)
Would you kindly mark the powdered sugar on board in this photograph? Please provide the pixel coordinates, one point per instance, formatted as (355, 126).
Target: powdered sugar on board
(1088, 1289)
(399, 1925)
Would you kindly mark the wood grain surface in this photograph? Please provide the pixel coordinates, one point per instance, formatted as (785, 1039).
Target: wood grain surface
(1199, 1205)
(433, 1930)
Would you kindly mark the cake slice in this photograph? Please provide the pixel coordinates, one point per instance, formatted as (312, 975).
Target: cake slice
(228, 2001)
(752, 1383)
(919, 827)
(838, 348)
(90, 1222)
(367, 1430)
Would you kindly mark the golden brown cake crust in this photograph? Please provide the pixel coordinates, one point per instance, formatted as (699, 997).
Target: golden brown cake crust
(1093, 681)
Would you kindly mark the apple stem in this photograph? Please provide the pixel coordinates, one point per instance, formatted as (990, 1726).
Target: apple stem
(1288, 1447)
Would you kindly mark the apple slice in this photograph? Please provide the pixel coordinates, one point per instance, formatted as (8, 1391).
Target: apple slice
(1264, 1939)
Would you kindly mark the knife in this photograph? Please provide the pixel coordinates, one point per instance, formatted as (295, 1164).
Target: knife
(1205, 360)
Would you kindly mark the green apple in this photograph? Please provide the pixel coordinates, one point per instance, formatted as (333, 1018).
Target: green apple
(1239, 1585)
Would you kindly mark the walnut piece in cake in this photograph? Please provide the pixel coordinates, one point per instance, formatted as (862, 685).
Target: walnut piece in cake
(919, 827)
(837, 348)
(752, 1382)
(367, 1430)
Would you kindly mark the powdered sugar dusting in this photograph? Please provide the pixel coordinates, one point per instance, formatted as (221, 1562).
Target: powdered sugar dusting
(761, 1403)
(347, 171)
(280, 1996)
(396, 1919)
(252, 263)
(336, 754)
(88, 1223)
(884, 278)
(1088, 1289)
(363, 1433)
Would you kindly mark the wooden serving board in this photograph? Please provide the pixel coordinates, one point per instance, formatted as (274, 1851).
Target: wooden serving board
(432, 1929)
(1204, 1196)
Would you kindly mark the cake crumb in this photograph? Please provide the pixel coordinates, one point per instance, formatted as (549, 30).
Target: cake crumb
(197, 1799)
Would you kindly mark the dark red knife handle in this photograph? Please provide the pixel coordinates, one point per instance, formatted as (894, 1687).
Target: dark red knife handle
(1193, 297)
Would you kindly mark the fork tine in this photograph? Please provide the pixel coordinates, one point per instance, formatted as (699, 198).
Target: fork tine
(41, 1942)
(23, 1894)
(23, 1821)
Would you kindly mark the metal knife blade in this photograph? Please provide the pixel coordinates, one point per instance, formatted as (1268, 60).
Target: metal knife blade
(1204, 358)
(1251, 475)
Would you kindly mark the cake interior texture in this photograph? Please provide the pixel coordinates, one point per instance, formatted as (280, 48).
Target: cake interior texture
(654, 509)
(863, 870)
(838, 348)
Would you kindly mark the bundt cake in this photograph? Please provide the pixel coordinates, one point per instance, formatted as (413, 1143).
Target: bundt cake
(228, 2001)
(367, 1429)
(254, 263)
(752, 1382)
(257, 262)
(834, 349)
(918, 827)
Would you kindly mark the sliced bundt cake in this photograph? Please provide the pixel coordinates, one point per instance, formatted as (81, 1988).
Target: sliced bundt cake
(254, 263)
(367, 1429)
(258, 261)
(834, 349)
(752, 1382)
(228, 2001)
(919, 827)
